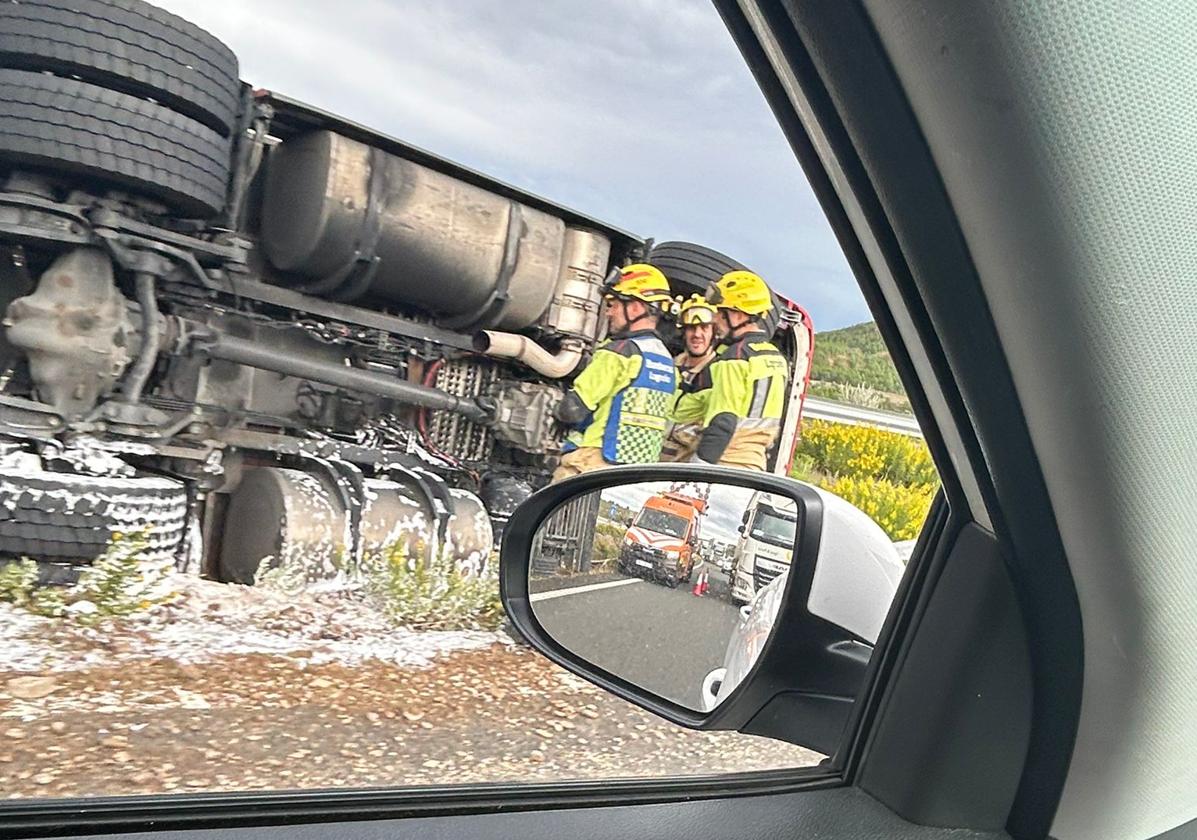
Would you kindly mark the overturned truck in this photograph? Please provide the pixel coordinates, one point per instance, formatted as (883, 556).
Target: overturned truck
(261, 335)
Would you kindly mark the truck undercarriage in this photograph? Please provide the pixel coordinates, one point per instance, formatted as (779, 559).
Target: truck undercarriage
(269, 337)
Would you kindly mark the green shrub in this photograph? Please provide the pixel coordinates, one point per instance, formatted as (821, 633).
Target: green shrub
(18, 585)
(890, 476)
(899, 510)
(119, 583)
(436, 596)
(835, 449)
(608, 537)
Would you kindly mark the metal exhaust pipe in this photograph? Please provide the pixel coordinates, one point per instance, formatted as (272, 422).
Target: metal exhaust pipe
(242, 351)
(502, 345)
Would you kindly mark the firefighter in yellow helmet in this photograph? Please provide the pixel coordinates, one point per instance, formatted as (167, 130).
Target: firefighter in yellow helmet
(742, 418)
(619, 404)
(696, 319)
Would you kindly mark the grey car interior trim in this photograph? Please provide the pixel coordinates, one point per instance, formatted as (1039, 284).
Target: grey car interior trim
(971, 636)
(1188, 831)
(889, 167)
(843, 813)
(1081, 114)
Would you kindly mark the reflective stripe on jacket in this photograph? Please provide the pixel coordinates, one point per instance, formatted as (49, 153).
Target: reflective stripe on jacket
(742, 416)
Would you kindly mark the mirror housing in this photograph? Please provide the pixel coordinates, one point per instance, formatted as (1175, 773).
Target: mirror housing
(801, 687)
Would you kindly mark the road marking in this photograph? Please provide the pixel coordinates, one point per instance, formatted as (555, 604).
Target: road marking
(578, 590)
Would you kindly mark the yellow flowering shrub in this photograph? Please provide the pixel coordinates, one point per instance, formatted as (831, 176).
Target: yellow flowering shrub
(890, 476)
(863, 451)
(899, 509)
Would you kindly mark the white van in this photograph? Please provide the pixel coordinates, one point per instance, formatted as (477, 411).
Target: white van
(766, 544)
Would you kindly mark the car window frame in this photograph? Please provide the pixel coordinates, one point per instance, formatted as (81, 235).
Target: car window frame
(954, 506)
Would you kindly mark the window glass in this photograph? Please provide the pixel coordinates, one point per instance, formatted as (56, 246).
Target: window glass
(773, 528)
(251, 500)
(662, 522)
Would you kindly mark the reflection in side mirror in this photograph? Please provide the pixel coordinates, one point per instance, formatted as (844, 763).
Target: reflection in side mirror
(711, 686)
(710, 596)
(650, 601)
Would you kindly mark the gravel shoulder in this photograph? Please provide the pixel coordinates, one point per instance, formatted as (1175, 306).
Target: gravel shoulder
(301, 692)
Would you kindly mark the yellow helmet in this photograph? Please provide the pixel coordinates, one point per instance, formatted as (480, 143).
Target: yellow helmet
(741, 290)
(640, 281)
(695, 310)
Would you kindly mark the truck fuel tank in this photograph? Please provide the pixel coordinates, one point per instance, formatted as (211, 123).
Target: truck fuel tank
(325, 527)
(344, 220)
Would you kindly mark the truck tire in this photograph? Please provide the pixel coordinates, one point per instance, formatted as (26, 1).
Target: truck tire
(129, 46)
(52, 516)
(691, 268)
(67, 125)
(689, 265)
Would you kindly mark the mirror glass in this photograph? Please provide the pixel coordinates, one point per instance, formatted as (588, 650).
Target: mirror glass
(672, 586)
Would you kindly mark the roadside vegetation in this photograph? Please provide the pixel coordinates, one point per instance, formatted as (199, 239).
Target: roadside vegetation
(119, 583)
(437, 596)
(608, 536)
(852, 365)
(890, 476)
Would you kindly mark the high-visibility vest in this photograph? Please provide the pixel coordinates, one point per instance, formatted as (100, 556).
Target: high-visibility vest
(629, 386)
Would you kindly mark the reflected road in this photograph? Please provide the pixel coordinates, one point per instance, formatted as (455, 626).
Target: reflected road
(663, 639)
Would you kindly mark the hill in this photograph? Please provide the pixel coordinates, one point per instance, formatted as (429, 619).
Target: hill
(852, 365)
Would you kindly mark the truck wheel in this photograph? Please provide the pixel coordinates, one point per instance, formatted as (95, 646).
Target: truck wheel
(64, 124)
(687, 264)
(129, 46)
(53, 516)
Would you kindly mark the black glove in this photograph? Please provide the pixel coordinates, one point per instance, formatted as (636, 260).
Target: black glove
(571, 410)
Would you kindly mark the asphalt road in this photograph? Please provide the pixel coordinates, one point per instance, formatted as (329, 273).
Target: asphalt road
(665, 640)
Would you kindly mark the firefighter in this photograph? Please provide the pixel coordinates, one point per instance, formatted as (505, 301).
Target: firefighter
(619, 403)
(742, 418)
(696, 319)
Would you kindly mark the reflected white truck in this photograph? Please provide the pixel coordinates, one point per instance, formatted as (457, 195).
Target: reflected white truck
(765, 546)
(857, 572)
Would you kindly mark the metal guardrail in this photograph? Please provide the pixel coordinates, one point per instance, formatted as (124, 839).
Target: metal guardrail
(835, 412)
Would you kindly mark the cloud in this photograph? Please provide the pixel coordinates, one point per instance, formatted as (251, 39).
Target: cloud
(639, 112)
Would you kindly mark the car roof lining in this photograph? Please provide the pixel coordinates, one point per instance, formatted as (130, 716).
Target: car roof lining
(1056, 128)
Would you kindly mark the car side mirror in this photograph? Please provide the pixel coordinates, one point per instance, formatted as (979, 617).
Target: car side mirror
(628, 608)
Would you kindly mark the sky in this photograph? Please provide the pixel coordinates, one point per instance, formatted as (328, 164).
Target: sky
(638, 112)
